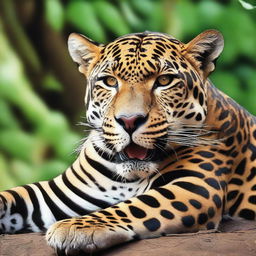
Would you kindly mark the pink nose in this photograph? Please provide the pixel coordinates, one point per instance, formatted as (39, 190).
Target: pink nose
(131, 123)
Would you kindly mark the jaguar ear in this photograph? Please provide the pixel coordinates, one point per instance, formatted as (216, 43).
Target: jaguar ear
(204, 50)
(83, 51)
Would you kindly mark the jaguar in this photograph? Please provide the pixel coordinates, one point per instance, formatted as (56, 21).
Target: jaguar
(167, 151)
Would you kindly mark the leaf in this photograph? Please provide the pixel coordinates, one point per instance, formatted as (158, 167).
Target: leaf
(246, 5)
(82, 15)
(54, 14)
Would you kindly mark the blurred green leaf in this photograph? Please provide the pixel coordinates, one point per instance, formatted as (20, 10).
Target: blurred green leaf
(54, 13)
(50, 82)
(131, 17)
(7, 119)
(82, 15)
(111, 17)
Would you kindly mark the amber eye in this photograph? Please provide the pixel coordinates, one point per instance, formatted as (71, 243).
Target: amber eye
(164, 80)
(110, 81)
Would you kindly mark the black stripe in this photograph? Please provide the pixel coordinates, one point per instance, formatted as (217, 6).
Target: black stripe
(5, 203)
(66, 200)
(36, 215)
(19, 206)
(97, 202)
(56, 211)
(77, 175)
(105, 171)
(172, 175)
(87, 173)
(196, 189)
(102, 153)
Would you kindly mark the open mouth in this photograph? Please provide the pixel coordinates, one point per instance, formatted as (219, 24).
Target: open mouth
(134, 152)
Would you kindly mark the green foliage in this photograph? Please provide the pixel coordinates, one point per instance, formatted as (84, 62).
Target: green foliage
(36, 140)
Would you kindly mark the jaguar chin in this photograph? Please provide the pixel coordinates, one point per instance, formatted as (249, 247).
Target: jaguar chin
(134, 169)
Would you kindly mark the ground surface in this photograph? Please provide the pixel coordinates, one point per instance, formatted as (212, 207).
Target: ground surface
(235, 238)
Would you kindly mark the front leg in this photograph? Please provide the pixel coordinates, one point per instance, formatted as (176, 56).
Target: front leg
(185, 205)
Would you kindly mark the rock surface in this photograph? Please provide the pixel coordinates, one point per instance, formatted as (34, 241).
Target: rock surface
(235, 238)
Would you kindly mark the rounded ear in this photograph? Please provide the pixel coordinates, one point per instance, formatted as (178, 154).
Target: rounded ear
(204, 50)
(83, 51)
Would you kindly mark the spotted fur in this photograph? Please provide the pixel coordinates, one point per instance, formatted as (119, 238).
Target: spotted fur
(167, 151)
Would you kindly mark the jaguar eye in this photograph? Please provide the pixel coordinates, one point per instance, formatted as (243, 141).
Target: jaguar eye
(110, 81)
(164, 80)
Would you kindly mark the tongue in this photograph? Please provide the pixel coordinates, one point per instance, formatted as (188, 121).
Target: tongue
(136, 151)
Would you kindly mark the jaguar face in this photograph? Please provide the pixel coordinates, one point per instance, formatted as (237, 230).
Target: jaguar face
(145, 95)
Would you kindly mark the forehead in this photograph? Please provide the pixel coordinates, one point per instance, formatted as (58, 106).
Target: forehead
(137, 56)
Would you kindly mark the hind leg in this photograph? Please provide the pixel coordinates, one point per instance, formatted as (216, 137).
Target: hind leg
(242, 199)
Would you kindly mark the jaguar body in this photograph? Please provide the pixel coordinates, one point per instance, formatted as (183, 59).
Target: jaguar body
(167, 152)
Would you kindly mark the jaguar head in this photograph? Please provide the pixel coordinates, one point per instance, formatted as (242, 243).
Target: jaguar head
(145, 94)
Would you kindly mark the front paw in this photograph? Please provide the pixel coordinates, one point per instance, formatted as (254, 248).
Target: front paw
(86, 234)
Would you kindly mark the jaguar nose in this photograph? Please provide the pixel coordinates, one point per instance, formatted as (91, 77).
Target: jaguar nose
(131, 123)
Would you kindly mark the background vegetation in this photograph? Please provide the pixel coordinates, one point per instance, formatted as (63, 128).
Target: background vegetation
(41, 92)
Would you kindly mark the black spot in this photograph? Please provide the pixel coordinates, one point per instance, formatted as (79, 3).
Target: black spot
(195, 160)
(211, 212)
(152, 224)
(166, 193)
(167, 214)
(121, 213)
(195, 92)
(210, 225)
(205, 154)
(195, 203)
(223, 170)
(114, 188)
(137, 212)
(252, 199)
(241, 167)
(198, 117)
(149, 200)
(252, 174)
(201, 99)
(236, 181)
(190, 115)
(225, 126)
(213, 183)
(179, 206)
(126, 220)
(206, 166)
(130, 227)
(223, 114)
(247, 214)
(232, 194)
(253, 188)
(217, 161)
(216, 199)
(189, 80)
(199, 190)
(202, 218)
(13, 221)
(239, 137)
(229, 141)
(188, 221)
